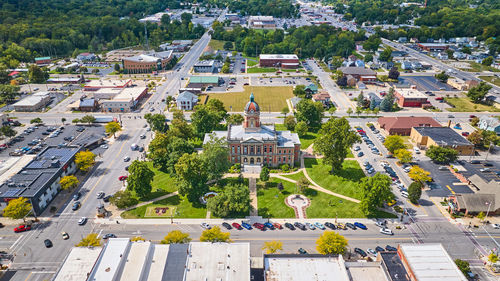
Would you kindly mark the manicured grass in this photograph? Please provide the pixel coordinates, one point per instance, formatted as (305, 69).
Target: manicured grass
(327, 206)
(261, 69)
(296, 176)
(492, 79)
(252, 62)
(272, 98)
(477, 67)
(465, 105)
(184, 209)
(162, 184)
(344, 182)
(271, 202)
(216, 44)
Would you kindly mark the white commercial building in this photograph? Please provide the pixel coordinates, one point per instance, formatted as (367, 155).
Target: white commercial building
(95, 85)
(35, 102)
(186, 100)
(125, 101)
(77, 264)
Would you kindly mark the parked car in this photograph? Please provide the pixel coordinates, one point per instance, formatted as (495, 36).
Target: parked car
(386, 231)
(341, 226)
(77, 195)
(319, 225)
(246, 225)
(205, 225)
(82, 221)
(360, 225)
(236, 225)
(65, 235)
(371, 252)
(48, 243)
(269, 225)
(106, 198)
(310, 226)
(380, 223)
(108, 235)
(226, 225)
(76, 205)
(351, 226)
(259, 226)
(496, 225)
(379, 249)
(330, 225)
(126, 159)
(22, 228)
(360, 154)
(300, 226)
(289, 226)
(122, 178)
(360, 252)
(277, 225)
(390, 248)
(302, 251)
(100, 195)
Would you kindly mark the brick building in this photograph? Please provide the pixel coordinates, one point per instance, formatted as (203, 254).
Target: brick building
(147, 63)
(426, 137)
(402, 125)
(256, 144)
(279, 60)
(410, 98)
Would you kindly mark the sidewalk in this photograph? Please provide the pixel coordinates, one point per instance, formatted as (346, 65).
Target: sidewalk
(252, 186)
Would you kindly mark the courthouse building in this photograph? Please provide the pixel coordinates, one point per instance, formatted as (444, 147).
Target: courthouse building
(256, 144)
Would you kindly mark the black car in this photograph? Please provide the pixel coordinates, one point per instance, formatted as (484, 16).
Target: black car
(360, 252)
(302, 251)
(390, 248)
(300, 225)
(379, 249)
(106, 198)
(109, 235)
(330, 225)
(126, 168)
(77, 196)
(47, 243)
(226, 225)
(76, 205)
(289, 226)
(350, 225)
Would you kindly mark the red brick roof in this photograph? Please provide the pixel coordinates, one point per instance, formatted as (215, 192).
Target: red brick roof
(389, 123)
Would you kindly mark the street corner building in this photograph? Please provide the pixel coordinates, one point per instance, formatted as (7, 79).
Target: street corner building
(38, 181)
(255, 144)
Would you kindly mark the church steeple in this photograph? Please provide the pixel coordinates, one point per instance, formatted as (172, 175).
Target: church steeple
(252, 115)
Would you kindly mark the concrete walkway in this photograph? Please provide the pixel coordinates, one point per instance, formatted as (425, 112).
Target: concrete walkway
(252, 186)
(151, 201)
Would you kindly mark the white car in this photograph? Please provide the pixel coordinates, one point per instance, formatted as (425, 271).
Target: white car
(105, 146)
(82, 221)
(126, 159)
(404, 194)
(380, 224)
(496, 225)
(206, 226)
(386, 231)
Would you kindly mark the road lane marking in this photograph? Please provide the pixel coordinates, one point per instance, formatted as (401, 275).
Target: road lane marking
(29, 275)
(453, 192)
(17, 241)
(98, 235)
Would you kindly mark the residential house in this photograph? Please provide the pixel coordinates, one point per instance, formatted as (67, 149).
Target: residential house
(406, 65)
(311, 89)
(442, 56)
(489, 123)
(324, 97)
(186, 100)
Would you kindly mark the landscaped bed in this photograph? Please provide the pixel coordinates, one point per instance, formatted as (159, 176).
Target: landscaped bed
(177, 205)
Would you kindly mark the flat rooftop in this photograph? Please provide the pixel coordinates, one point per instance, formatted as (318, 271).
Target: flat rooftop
(136, 260)
(108, 83)
(366, 271)
(31, 100)
(77, 264)
(411, 93)
(431, 262)
(304, 268)
(108, 264)
(278, 56)
(443, 135)
(130, 93)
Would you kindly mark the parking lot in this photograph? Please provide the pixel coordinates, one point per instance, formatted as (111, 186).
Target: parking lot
(443, 180)
(35, 138)
(485, 169)
(426, 83)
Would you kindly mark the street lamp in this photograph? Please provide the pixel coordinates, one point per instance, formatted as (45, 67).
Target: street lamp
(487, 212)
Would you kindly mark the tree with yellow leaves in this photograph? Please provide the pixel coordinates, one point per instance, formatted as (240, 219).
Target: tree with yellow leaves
(272, 247)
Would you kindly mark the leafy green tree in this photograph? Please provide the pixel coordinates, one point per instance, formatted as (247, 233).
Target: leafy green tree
(393, 73)
(68, 182)
(387, 103)
(165, 150)
(228, 45)
(63, 120)
(463, 266)
(17, 208)
(309, 112)
(285, 111)
(235, 119)
(91, 240)
(180, 127)
(335, 138)
(419, 175)
(481, 216)
(368, 57)
(157, 122)
(123, 199)
(299, 91)
(85, 160)
(272, 247)
(140, 178)
(215, 235)
(176, 237)
(488, 61)
(216, 157)
(8, 92)
(192, 176)
(342, 81)
(386, 54)
(372, 43)
(232, 201)
(113, 128)
(89, 119)
(290, 122)
(441, 155)
(331, 243)
(443, 77)
(403, 155)
(206, 118)
(478, 93)
(414, 192)
(376, 191)
(37, 75)
(301, 128)
(8, 131)
(37, 120)
(264, 174)
(302, 184)
(137, 239)
(349, 111)
(394, 142)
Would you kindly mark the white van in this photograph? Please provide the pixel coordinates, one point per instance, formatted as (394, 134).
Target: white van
(416, 150)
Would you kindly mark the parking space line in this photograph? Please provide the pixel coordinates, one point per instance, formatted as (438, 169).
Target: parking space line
(452, 191)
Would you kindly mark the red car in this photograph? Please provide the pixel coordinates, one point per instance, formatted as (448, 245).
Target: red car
(439, 98)
(259, 226)
(472, 116)
(277, 225)
(122, 178)
(236, 225)
(465, 134)
(22, 228)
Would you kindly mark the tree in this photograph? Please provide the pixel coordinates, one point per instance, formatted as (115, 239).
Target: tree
(290, 122)
(394, 142)
(117, 67)
(335, 138)
(481, 216)
(91, 240)
(225, 68)
(376, 110)
(37, 120)
(488, 61)
(376, 191)
(478, 93)
(372, 43)
(301, 128)
(331, 243)
(280, 186)
(89, 119)
(235, 119)
(285, 111)
(176, 237)
(360, 100)
(272, 247)
(216, 157)
(68, 182)
(123, 199)
(63, 120)
(232, 201)
(192, 176)
(342, 81)
(403, 155)
(166, 149)
(388, 102)
(8, 131)
(228, 45)
(443, 77)
(206, 118)
(332, 110)
(302, 184)
(420, 175)
(215, 235)
(37, 75)
(463, 266)
(386, 54)
(8, 92)
(75, 121)
(264, 174)
(394, 73)
(17, 208)
(309, 112)
(157, 122)
(85, 160)
(299, 91)
(368, 58)
(358, 110)
(441, 155)
(349, 111)
(112, 128)
(492, 257)
(140, 178)
(414, 192)
(137, 239)
(474, 121)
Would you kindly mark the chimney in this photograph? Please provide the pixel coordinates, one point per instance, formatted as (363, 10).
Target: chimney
(449, 123)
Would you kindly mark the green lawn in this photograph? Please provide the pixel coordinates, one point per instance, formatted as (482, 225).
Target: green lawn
(344, 182)
(184, 209)
(162, 184)
(271, 201)
(252, 62)
(260, 69)
(492, 79)
(296, 176)
(465, 105)
(216, 44)
(477, 67)
(272, 98)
